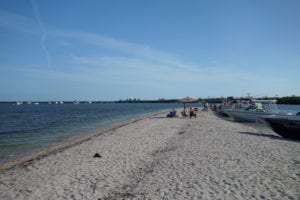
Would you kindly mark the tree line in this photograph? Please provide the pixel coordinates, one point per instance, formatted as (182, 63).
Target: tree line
(280, 100)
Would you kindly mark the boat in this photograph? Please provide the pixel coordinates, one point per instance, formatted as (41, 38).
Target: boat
(238, 104)
(19, 103)
(258, 109)
(287, 127)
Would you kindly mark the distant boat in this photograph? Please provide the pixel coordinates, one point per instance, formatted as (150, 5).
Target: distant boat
(76, 102)
(287, 127)
(19, 103)
(61, 102)
(36, 103)
(28, 102)
(49, 102)
(258, 109)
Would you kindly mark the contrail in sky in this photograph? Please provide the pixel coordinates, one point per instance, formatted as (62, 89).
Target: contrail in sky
(44, 35)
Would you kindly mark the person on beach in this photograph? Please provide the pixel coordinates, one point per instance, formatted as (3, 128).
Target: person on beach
(192, 114)
(183, 113)
(172, 113)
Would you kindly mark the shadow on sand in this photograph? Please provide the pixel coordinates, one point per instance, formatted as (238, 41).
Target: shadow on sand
(274, 137)
(178, 117)
(157, 117)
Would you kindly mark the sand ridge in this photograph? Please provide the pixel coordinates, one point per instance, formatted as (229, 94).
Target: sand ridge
(160, 158)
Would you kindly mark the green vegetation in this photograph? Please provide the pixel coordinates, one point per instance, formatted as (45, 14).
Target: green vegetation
(211, 100)
(289, 100)
(147, 101)
(280, 100)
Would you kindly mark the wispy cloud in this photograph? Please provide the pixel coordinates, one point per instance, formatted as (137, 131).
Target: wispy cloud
(130, 49)
(26, 25)
(164, 72)
(138, 64)
(18, 22)
(44, 35)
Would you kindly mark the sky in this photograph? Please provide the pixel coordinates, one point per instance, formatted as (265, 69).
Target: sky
(114, 49)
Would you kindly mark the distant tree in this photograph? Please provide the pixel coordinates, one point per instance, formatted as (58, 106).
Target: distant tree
(289, 100)
(230, 98)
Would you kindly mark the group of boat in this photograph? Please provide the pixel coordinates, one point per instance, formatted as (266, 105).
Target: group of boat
(18, 103)
(286, 125)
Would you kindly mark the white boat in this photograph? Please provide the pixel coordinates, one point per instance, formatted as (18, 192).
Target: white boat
(19, 103)
(229, 106)
(258, 109)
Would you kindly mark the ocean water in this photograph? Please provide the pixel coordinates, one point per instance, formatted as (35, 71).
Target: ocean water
(293, 109)
(28, 127)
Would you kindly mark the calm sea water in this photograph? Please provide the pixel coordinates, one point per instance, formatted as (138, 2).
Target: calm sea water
(26, 128)
(289, 108)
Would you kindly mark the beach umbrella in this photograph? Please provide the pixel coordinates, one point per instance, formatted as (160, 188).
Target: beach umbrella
(187, 100)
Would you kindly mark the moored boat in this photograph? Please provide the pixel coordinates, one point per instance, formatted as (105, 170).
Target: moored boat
(287, 127)
(238, 105)
(258, 109)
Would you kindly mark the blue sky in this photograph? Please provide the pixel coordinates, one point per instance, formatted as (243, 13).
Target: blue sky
(109, 50)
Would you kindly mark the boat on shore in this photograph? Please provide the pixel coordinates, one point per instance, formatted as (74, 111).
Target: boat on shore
(287, 127)
(258, 109)
(240, 104)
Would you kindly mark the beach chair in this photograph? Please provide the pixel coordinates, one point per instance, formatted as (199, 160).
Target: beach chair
(172, 114)
(192, 114)
(183, 114)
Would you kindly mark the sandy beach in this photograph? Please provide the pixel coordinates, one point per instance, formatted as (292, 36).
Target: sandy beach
(164, 158)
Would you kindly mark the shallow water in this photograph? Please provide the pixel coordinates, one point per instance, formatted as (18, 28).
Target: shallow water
(293, 109)
(29, 127)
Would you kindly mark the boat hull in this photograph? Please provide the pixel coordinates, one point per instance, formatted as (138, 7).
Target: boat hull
(247, 116)
(285, 127)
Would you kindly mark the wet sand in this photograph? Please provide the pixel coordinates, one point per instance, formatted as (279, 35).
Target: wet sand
(161, 158)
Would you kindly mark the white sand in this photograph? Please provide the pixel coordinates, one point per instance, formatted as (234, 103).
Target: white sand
(161, 158)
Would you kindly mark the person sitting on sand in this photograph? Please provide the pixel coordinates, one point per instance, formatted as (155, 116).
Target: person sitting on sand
(172, 113)
(183, 113)
(192, 114)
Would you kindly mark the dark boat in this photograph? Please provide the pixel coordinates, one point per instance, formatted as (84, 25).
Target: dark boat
(287, 127)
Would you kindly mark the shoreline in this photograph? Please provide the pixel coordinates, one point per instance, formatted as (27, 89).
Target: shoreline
(68, 143)
(155, 157)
